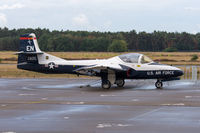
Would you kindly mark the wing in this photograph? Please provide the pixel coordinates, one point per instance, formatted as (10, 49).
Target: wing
(97, 68)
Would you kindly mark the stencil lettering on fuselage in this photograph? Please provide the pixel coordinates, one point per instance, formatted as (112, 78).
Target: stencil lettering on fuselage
(32, 58)
(152, 73)
(168, 72)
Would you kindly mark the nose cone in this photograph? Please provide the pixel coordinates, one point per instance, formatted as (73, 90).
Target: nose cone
(179, 73)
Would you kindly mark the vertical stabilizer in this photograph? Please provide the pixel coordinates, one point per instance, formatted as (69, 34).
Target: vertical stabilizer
(29, 44)
(28, 49)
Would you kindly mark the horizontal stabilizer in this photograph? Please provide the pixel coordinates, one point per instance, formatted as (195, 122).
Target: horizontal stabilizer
(21, 52)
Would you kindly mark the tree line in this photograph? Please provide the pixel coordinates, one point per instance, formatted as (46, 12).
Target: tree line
(102, 41)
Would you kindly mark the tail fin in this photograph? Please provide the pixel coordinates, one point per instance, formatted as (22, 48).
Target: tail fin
(29, 44)
(28, 49)
(30, 57)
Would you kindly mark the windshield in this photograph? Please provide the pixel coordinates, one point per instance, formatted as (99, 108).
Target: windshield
(145, 59)
(130, 58)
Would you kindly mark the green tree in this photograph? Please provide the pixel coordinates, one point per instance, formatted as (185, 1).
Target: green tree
(132, 40)
(170, 49)
(101, 41)
(43, 41)
(118, 46)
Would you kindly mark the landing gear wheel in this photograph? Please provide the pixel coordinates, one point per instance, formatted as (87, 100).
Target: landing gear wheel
(159, 84)
(120, 83)
(106, 84)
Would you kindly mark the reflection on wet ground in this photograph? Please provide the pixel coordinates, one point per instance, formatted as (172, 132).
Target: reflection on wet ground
(69, 105)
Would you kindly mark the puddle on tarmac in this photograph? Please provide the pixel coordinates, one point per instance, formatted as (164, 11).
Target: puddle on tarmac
(64, 86)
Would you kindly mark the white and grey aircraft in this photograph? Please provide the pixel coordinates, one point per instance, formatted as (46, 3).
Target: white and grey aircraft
(112, 71)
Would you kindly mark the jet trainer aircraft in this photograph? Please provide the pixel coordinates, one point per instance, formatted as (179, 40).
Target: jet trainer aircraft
(112, 71)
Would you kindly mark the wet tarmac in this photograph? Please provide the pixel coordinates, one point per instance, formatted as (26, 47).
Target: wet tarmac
(69, 106)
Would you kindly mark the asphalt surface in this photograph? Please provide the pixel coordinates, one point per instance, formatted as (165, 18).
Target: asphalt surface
(69, 106)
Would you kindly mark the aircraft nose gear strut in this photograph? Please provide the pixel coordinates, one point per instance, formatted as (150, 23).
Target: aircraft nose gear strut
(159, 84)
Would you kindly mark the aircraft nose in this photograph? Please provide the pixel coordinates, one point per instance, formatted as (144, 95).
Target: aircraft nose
(179, 72)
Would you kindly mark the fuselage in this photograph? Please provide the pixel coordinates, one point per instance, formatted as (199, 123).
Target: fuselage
(152, 70)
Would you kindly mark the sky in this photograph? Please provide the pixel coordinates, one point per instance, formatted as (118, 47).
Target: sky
(102, 15)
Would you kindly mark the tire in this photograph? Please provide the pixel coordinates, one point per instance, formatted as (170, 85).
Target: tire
(159, 85)
(120, 83)
(106, 84)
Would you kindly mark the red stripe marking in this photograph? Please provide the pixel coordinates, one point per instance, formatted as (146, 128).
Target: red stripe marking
(27, 38)
(128, 73)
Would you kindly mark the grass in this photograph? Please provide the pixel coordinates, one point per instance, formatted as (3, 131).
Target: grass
(9, 60)
(174, 58)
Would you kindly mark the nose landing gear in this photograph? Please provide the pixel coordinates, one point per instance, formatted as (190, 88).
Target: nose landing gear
(159, 84)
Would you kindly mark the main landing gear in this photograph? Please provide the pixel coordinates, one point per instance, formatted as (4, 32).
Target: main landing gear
(120, 83)
(106, 84)
(159, 84)
(109, 78)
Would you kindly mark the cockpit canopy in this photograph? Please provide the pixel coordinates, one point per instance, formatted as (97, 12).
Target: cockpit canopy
(135, 58)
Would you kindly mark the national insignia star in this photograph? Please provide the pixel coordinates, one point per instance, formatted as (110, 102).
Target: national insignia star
(51, 66)
(29, 41)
